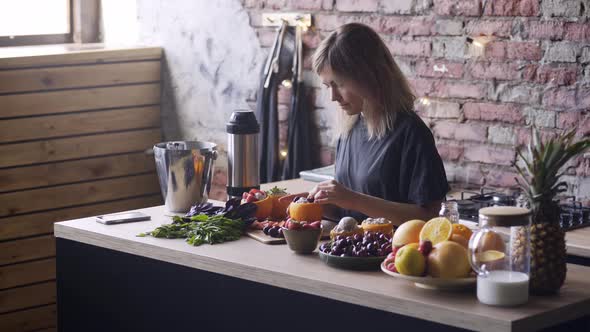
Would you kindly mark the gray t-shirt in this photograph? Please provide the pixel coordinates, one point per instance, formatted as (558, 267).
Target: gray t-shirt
(403, 166)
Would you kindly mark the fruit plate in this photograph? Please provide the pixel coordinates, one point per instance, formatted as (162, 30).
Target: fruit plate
(435, 283)
(352, 263)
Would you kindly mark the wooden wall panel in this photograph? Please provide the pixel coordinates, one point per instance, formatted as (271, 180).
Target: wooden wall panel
(65, 172)
(42, 222)
(28, 296)
(33, 319)
(27, 273)
(62, 101)
(75, 122)
(77, 147)
(35, 79)
(77, 194)
(27, 249)
(23, 129)
(68, 54)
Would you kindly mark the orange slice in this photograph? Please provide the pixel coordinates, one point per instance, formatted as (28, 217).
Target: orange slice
(437, 230)
(489, 256)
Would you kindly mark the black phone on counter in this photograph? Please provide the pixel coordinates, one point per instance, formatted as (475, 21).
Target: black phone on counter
(123, 217)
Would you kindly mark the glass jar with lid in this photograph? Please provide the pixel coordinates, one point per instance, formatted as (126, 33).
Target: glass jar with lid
(499, 252)
(450, 211)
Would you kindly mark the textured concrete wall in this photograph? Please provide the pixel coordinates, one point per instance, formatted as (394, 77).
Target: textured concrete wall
(211, 67)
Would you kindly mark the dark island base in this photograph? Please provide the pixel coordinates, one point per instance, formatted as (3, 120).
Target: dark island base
(105, 290)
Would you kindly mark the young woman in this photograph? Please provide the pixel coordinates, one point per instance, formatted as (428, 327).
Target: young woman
(386, 163)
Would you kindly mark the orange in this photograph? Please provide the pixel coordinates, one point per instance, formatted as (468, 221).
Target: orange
(279, 210)
(383, 228)
(437, 230)
(493, 259)
(264, 208)
(407, 232)
(306, 211)
(460, 239)
(491, 241)
(462, 230)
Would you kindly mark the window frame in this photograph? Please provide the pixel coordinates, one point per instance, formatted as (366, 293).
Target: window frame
(84, 28)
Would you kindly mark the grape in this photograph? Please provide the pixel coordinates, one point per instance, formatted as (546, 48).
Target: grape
(265, 229)
(340, 237)
(357, 238)
(336, 251)
(273, 231)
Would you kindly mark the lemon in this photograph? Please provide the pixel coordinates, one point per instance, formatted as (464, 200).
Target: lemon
(437, 230)
(409, 261)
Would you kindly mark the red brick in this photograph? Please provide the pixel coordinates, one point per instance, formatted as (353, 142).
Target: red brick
(569, 119)
(513, 50)
(529, 72)
(266, 37)
(489, 28)
(551, 30)
(494, 70)
(577, 31)
(460, 90)
(273, 4)
(311, 39)
(501, 178)
(310, 4)
(457, 8)
(421, 87)
(512, 8)
(508, 113)
(560, 98)
(433, 68)
(460, 131)
(583, 100)
(326, 21)
(357, 5)
(284, 95)
(404, 26)
(489, 155)
(449, 152)
(410, 48)
(556, 74)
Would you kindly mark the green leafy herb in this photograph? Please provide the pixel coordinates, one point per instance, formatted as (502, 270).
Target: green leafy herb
(277, 191)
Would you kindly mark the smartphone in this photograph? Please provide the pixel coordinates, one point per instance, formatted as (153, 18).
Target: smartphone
(118, 218)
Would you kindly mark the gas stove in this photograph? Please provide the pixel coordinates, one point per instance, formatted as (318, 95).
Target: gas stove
(572, 215)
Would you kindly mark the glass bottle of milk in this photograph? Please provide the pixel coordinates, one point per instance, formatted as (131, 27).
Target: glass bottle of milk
(500, 254)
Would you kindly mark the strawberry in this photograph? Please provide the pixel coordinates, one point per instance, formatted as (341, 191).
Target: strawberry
(316, 224)
(244, 195)
(307, 226)
(293, 225)
(250, 198)
(253, 191)
(391, 267)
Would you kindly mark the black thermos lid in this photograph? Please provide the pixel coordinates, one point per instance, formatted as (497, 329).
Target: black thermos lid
(243, 122)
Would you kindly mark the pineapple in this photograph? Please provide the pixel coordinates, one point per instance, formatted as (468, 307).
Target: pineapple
(539, 179)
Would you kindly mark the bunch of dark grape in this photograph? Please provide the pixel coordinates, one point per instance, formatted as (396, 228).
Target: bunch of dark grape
(273, 231)
(367, 245)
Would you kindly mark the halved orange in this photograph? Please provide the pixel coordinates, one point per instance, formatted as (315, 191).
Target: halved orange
(437, 230)
(279, 210)
(264, 208)
(306, 211)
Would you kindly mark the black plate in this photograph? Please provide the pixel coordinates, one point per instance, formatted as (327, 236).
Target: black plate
(352, 263)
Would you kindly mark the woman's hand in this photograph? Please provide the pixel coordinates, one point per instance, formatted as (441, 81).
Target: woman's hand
(332, 192)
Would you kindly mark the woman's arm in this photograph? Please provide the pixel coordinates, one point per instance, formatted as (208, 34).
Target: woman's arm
(332, 192)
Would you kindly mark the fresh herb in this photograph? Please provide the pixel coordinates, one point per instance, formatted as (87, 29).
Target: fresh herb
(232, 210)
(200, 229)
(277, 191)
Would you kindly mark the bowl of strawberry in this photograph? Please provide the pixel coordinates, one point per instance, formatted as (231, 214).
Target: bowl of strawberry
(302, 236)
(262, 201)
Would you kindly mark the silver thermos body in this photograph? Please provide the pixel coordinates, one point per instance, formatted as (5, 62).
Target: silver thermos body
(243, 165)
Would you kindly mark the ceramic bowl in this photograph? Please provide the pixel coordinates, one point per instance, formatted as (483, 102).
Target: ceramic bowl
(302, 241)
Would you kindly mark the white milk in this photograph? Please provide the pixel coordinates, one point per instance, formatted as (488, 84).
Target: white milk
(503, 288)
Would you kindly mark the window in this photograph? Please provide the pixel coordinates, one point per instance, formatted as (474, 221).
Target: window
(27, 22)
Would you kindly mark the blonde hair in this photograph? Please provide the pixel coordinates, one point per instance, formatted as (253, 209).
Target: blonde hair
(356, 52)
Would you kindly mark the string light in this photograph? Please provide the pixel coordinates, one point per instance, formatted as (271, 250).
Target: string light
(287, 84)
(424, 101)
(283, 154)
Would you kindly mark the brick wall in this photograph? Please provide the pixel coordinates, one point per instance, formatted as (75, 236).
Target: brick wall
(477, 101)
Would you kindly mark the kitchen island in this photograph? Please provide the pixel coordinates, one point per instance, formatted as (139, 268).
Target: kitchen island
(111, 280)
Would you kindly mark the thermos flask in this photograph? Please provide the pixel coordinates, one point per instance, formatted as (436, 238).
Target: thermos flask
(243, 165)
